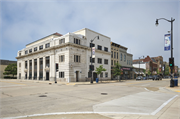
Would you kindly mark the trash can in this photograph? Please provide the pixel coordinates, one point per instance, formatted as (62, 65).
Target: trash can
(175, 82)
(97, 79)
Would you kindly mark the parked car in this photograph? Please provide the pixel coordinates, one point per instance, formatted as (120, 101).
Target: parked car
(156, 77)
(150, 77)
(145, 78)
(139, 78)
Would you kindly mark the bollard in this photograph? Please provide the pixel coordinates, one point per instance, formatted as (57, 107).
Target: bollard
(171, 83)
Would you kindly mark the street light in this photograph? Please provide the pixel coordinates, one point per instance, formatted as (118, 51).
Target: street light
(139, 64)
(91, 56)
(172, 20)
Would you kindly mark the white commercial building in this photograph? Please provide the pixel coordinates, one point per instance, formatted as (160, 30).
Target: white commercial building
(70, 52)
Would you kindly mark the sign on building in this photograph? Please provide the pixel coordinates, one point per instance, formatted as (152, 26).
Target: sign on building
(93, 52)
(167, 42)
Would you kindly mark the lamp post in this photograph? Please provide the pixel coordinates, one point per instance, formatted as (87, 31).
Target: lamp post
(91, 56)
(172, 20)
(139, 64)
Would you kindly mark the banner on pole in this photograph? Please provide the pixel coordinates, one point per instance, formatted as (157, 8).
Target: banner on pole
(93, 52)
(167, 42)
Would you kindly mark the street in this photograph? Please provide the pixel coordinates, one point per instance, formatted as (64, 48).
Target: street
(109, 100)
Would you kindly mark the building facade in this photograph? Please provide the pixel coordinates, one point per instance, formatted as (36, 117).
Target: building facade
(119, 55)
(69, 54)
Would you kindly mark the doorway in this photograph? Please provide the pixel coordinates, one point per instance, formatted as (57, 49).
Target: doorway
(94, 76)
(47, 76)
(77, 76)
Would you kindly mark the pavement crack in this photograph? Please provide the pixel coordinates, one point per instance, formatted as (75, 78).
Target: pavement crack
(6, 94)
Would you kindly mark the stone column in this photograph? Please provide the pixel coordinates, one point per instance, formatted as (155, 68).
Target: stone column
(32, 69)
(28, 70)
(38, 68)
(44, 66)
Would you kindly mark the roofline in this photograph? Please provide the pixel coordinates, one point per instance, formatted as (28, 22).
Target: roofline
(90, 30)
(119, 45)
(43, 38)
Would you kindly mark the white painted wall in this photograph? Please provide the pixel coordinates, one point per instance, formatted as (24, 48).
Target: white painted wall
(141, 65)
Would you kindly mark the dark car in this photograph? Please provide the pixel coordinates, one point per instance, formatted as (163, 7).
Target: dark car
(150, 77)
(156, 77)
(139, 78)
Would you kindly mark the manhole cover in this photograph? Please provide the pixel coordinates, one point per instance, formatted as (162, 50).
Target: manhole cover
(43, 96)
(103, 93)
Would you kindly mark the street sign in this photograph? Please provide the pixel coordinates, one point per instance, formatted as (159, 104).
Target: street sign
(167, 42)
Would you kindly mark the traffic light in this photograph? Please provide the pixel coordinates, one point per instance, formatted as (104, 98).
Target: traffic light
(91, 67)
(171, 62)
(57, 67)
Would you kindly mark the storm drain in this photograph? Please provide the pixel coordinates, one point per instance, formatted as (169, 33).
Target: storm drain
(43, 96)
(103, 93)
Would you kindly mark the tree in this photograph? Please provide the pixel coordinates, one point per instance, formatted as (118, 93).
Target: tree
(157, 71)
(144, 71)
(117, 70)
(11, 69)
(149, 72)
(99, 70)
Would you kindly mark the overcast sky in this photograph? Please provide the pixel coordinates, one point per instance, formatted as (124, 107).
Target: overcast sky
(130, 23)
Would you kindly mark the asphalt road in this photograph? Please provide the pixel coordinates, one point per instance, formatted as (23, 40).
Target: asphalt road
(27, 99)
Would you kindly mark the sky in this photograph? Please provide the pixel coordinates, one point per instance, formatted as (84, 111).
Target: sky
(130, 23)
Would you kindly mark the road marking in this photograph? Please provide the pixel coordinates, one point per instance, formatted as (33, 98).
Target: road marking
(8, 86)
(13, 82)
(164, 104)
(177, 90)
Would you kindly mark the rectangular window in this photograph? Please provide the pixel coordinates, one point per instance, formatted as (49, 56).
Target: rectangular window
(127, 62)
(77, 41)
(19, 64)
(61, 41)
(61, 74)
(35, 49)
(105, 61)
(101, 75)
(99, 47)
(41, 47)
(26, 52)
(61, 58)
(111, 54)
(89, 74)
(19, 54)
(92, 45)
(121, 56)
(124, 58)
(114, 54)
(77, 58)
(99, 60)
(117, 55)
(93, 60)
(106, 49)
(106, 74)
(111, 62)
(47, 45)
(114, 62)
(30, 50)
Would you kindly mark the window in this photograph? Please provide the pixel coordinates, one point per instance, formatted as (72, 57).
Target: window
(117, 61)
(92, 45)
(106, 49)
(77, 41)
(117, 55)
(101, 75)
(111, 62)
(111, 54)
(127, 62)
(19, 64)
(89, 74)
(99, 60)
(93, 60)
(77, 58)
(61, 58)
(19, 54)
(47, 45)
(114, 54)
(61, 74)
(35, 49)
(105, 61)
(121, 56)
(114, 62)
(61, 41)
(30, 50)
(41, 47)
(99, 47)
(26, 52)
(106, 74)
(124, 58)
